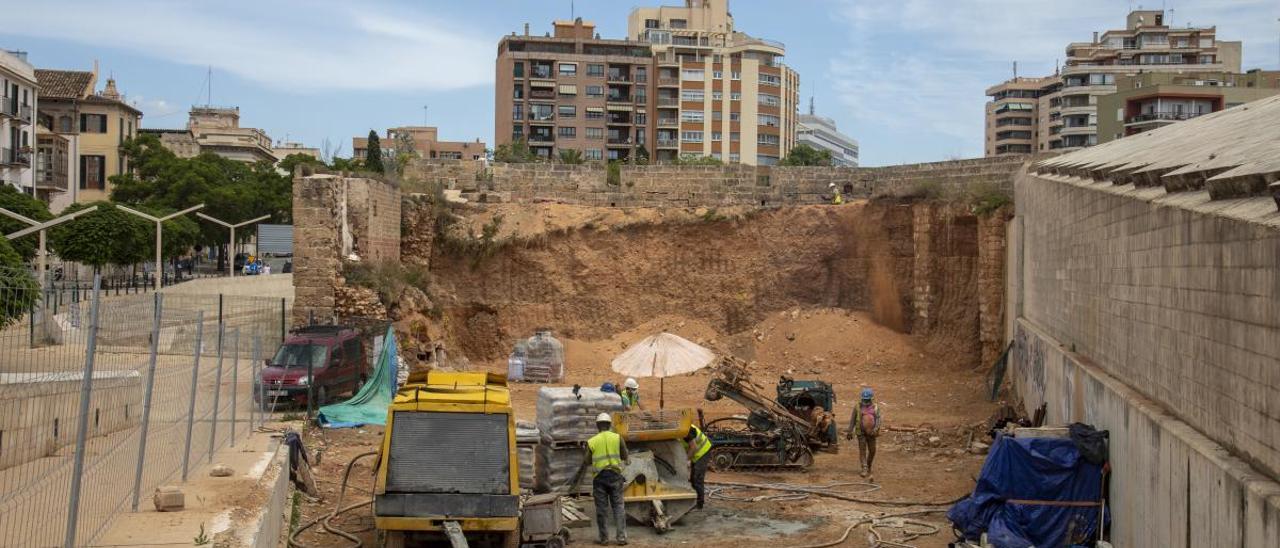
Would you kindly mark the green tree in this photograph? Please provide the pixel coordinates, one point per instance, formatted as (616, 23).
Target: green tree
(570, 156)
(292, 161)
(806, 155)
(641, 157)
(18, 288)
(373, 154)
(515, 152)
(106, 236)
(346, 164)
(23, 204)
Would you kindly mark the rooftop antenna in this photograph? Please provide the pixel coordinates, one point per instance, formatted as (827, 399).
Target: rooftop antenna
(573, 12)
(810, 105)
(1015, 70)
(424, 115)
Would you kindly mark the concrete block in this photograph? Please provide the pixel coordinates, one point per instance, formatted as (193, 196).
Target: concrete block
(168, 498)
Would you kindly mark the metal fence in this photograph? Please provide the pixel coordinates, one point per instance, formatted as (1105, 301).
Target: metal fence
(104, 397)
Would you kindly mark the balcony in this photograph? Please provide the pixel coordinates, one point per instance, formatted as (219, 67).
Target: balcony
(1158, 117)
(668, 122)
(14, 157)
(668, 143)
(625, 141)
(10, 107)
(669, 101)
(620, 98)
(546, 138)
(52, 178)
(619, 78)
(541, 118)
(543, 72)
(667, 81)
(537, 93)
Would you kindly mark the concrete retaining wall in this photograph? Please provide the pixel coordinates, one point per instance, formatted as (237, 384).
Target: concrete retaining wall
(38, 411)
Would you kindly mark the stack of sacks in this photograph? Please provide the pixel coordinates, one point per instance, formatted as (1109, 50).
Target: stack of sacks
(526, 446)
(565, 422)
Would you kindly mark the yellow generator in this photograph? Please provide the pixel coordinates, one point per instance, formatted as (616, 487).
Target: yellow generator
(657, 492)
(448, 469)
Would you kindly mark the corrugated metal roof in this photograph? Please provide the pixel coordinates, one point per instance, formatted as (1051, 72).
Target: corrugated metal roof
(1234, 153)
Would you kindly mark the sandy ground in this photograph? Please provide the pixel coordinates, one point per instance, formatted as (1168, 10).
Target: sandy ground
(922, 396)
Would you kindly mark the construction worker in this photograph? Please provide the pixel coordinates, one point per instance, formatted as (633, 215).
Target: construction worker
(699, 446)
(607, 453)
(631, 394)
(837, 197)
(865, 424)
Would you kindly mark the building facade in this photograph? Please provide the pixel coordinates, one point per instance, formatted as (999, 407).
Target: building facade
(685, 83)
(1013, 115)
(1143, 102)
(93, 124)
(820, 132)
(1066, 111)
(217, 130)
(18, 103)
(284, 149)
(424, 140)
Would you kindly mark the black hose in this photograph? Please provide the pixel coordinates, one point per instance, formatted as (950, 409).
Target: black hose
(338, 509)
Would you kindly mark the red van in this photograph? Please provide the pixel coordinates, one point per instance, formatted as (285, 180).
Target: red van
(337, 360)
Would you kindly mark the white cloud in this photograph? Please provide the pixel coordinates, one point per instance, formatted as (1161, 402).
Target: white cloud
(295, 45)
(921, 66)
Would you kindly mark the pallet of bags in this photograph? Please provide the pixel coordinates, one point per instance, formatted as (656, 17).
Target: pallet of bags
(568, 415)
(556, 467)
(526, 447)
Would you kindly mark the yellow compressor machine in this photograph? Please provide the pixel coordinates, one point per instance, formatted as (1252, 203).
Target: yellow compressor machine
(657, 491)
(448, 466)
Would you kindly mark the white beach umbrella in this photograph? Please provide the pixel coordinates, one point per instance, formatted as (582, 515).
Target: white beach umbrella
(662, 355)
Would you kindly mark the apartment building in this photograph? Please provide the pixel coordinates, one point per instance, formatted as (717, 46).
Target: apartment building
(1013, 125)
(17, 108)
(217, 130)
(425, 140)
(1147, 101)
(1067, 103)
(91, 125)
(820, 132)
(284, 149)
(685, 83)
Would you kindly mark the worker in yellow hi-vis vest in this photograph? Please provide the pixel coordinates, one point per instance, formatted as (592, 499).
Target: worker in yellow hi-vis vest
(607, 453)
(699, 446)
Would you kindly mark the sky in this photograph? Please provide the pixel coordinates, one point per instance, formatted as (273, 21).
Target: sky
(903, 77)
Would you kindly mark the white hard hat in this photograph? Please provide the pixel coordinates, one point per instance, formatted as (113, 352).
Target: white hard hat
(631, 383)
(604, 417)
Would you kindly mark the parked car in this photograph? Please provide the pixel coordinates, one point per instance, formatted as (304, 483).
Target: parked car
(337, 360)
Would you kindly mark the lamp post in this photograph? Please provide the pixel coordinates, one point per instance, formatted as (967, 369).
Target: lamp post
(159, 221)
(231, 265)
(37, 226)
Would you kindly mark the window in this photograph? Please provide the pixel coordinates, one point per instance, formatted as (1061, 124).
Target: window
(735, 116)
(93, 172)
(717, 115)
(93, 123)
(692, 75)
(595, 133)
(568, 69)
(769, 100)
(735, 157)
(568, 89)
(541, 112)
(765, 139)
(1206, 42)
(735, 96)
(568, 111)
(569, 132)
(678, 23)
(595, 70)
(517, 69)
(592, 154)
(691, 116)
(641, 117)
(768, 120)
(691, 136)
(1206, 59)
(519, 92)
(650, 23)
(517, 133)
(717, 95)
(770, 79)
(65, 124)
(716, 136)
(595, 91)
(692, 95)
(736, 75)
(717, 74)
(517, 111)
(763, 160)
(735, 137)
(595, 113)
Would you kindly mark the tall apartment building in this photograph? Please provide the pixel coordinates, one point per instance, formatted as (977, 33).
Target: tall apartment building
(1143, 102)
(820, 132)
(1067, 103)
(683, 83)
(17, 109)
(92, 124)
(1013, 115)
(425, 140)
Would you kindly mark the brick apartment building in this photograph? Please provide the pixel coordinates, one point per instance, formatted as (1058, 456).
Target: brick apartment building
(684, 83)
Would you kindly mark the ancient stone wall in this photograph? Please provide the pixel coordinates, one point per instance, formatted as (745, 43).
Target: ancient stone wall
(334, 217)
(730, 184)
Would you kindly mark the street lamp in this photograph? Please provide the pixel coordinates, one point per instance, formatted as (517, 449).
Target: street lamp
(159, 227)
(231, 265)
(37, 226)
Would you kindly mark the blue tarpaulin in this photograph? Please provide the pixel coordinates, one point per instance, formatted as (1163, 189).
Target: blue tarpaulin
(369, 405)
(1032, 492)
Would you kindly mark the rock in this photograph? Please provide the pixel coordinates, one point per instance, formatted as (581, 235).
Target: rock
(221, 471)
(979, 448)
(168, 498)
(791, 336)
(934, 441)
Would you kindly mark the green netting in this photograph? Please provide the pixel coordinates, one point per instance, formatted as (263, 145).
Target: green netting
(369, 405)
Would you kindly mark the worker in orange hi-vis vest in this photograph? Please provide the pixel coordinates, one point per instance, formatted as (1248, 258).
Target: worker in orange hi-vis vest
(865, 424)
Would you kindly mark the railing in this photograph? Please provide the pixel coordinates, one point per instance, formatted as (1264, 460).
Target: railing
(619, 140)
(668, 143)
(641, 78)
(668, 102)
(536, 138)
(8, 106)
(668, 81)
(542, 94)
(52, 180)
(540, 73)
(618, 120)
(1165, 116)
(619, 99)
(24, 113)
(619, 77)
(668, 122)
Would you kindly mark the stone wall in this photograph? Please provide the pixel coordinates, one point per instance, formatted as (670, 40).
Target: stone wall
(730, 184)
(334, 217)
(1157, 316)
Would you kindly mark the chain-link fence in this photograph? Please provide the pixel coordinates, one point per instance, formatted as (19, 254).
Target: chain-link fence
(103, 397)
